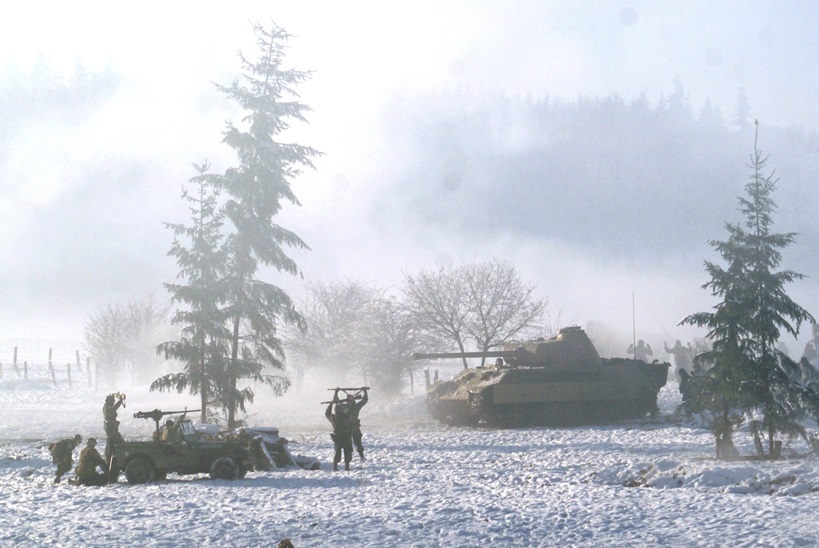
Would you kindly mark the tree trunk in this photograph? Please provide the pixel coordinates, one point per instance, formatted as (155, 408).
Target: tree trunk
(234, 358)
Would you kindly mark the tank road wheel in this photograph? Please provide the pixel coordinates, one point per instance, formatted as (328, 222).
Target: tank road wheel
(224, 468)
(139, 470)
(480, 407)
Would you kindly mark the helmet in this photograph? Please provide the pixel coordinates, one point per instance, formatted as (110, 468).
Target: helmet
(169, 423)
(342, 408)
(350, 398)
(91, 442)
(78, 438)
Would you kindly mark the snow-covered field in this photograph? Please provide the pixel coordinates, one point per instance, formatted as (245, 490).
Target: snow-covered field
(650, 482)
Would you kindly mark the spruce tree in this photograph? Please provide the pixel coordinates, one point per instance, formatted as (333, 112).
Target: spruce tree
(771, 310)
(204, 342)
(255, 192)
(748, 373)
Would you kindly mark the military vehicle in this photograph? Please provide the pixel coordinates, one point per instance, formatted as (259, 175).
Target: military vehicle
(187, 453)
(560, 381)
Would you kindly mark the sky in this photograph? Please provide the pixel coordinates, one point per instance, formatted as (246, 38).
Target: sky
(84, 204)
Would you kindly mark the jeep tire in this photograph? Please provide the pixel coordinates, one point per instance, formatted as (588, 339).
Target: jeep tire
(139, 470)
(224, 468)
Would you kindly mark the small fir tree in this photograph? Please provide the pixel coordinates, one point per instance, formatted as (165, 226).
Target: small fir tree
(202, 256)
(748, 372)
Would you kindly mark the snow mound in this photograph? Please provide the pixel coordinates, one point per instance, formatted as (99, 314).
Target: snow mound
(739, 479)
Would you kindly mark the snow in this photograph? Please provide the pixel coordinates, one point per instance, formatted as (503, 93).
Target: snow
(638, 483)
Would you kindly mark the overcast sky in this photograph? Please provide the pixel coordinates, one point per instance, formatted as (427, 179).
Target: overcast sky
(78, 232)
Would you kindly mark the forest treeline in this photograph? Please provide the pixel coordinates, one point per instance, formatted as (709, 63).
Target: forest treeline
(614, 175)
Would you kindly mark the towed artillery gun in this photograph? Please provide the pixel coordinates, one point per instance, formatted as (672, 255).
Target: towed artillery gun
(187, 453)
(560, 381)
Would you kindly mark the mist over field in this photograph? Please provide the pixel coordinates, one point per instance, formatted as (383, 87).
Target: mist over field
(595, 147)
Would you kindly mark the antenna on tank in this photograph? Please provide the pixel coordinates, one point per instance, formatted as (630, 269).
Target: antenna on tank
(633, 324)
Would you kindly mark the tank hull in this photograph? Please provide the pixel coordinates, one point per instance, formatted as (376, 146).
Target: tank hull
(607, 391)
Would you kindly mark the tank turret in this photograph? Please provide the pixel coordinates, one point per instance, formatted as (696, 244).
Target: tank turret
(559, 380)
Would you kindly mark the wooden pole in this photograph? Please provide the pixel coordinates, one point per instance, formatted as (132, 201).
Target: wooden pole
(51, 367)
(68, 368)
(15, 362)
(426, 377)
(25, 370)
(87, 368)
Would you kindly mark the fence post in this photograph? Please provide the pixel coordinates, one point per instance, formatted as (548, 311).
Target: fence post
(87, 367)
(15, 362)
(25, 370)
(426, 377)
(68, 367)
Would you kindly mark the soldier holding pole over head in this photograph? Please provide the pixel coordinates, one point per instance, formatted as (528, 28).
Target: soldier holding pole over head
(355, 422)
(111, 424)
(338, 413)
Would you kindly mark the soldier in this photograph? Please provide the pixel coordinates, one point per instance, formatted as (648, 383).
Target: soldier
(682, 355)
(338, 413)
(811, 352)
(87, 467)
(111, 424)
(171, 432)
(62, 453)
(642, 351)
(355, 422)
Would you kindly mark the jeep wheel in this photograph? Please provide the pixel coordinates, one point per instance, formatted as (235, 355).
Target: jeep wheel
(139, 470)
(224, 468)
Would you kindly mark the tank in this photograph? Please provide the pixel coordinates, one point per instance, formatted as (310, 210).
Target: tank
(559, 381)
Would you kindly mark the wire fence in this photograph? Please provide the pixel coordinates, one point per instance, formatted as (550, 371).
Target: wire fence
(52, 361)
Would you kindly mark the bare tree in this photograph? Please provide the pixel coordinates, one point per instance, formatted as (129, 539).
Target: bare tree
(121, 338)
(339, 318)
(439, 304)
(501, 306)
(486, 304)
(394, 337)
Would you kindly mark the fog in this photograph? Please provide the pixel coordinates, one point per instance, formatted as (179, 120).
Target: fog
(451, 133)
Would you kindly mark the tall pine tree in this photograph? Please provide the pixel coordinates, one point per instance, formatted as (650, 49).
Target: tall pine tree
(255, 191)
(749, 374)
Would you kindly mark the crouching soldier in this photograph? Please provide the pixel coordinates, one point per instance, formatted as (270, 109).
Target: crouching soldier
(62, 453)
(87, 468)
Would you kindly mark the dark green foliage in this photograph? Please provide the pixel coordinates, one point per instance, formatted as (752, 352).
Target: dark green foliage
(748, 374)
(255, 190)
(232, 319)
(202, 255)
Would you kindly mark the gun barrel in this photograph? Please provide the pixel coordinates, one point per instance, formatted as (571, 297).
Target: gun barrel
(442, 355)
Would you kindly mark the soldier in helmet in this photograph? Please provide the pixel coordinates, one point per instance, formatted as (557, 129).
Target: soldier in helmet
(62, 453)
(355, 422)
(87, 467)
(339, 414)
(111, 424)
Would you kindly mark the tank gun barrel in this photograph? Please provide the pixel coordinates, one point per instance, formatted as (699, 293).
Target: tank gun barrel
(443, 355)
